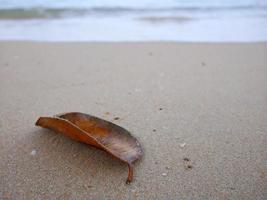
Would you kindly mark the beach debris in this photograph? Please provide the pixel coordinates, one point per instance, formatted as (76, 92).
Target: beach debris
(116, 118)
(182, 145)
(87, 186)
(187, 167)
(33, 152)
(186, 159)
(99, 133)
(187, 164)
(164, 174)
(169, 168)
(160, 108)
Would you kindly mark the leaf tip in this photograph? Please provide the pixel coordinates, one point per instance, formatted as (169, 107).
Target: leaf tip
(37, 123)
(40, 121)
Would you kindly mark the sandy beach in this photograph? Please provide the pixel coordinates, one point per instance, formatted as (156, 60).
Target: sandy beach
(189, 104)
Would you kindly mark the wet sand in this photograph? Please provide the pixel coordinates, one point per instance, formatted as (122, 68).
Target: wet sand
(199, 111)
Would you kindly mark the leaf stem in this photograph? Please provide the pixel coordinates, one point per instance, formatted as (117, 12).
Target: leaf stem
(130, 173)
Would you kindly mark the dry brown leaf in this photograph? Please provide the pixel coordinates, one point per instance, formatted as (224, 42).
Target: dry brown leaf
(97, 132)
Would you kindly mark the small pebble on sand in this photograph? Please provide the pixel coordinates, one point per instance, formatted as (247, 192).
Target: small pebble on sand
(33, 152)
(182, 145)
(168, 167)
(164, 174)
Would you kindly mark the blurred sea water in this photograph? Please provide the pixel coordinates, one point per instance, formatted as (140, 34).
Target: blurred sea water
(134, 20)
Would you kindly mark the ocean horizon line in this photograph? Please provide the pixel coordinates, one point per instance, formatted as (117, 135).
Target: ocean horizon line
(47, 12)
